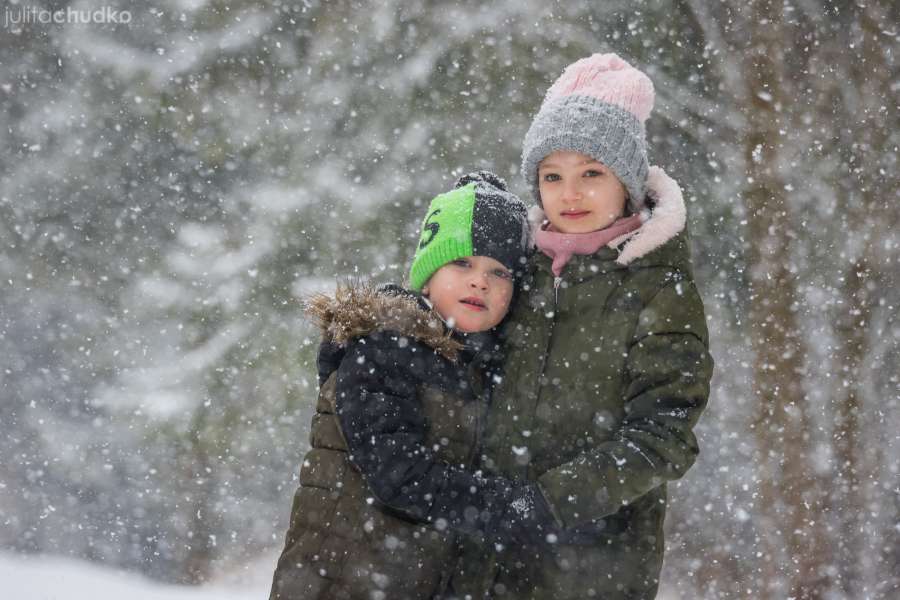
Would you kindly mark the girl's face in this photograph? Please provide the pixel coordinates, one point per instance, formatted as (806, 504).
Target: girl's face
(579, 194)
(471, 293)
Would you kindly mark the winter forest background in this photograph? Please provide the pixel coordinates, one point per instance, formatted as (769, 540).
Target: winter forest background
(171, 187)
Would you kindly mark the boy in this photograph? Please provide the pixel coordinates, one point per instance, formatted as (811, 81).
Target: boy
(390, 480)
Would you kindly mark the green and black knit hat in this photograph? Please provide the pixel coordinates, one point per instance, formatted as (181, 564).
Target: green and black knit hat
(479, 217)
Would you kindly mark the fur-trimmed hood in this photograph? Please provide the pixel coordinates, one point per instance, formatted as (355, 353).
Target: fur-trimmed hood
(357, 310)
(659, 224)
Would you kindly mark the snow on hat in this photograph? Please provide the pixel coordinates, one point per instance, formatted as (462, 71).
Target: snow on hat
(597, 107)
(479, 217)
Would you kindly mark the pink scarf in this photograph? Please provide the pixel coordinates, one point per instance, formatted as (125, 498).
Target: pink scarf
(561, 246)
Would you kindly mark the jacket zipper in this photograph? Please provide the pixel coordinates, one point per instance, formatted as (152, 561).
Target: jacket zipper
(483, 402)
(556, 283)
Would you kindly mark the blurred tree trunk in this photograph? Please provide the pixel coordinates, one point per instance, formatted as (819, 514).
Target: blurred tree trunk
(845, 503)
(200, 497)
(788, 483)
(865, 203)
(814, 82)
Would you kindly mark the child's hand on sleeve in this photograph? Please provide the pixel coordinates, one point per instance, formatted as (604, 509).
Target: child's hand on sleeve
(525, 520)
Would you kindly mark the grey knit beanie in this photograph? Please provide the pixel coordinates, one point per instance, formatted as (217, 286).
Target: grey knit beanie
(597, 107)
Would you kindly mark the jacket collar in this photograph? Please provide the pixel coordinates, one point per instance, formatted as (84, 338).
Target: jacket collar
(357, 310)
(479, 346)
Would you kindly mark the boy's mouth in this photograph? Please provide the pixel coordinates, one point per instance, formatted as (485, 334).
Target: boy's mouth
(575, 214)
(474, 303)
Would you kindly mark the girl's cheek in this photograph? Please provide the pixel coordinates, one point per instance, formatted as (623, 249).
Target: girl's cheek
(556, 222)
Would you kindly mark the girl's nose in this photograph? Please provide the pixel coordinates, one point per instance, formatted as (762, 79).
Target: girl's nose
(571, 190)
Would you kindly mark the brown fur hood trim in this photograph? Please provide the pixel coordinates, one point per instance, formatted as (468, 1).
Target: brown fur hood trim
(356, 310)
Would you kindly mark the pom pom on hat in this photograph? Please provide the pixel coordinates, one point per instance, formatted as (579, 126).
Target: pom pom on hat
(482, 176)
(609, 78)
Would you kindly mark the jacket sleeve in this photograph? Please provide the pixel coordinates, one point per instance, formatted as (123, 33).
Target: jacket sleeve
(382, 421)
(668, 371)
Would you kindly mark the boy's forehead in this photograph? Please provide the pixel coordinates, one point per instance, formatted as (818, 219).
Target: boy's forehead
(489, 260)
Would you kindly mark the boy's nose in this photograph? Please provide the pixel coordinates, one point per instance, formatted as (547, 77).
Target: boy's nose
(479, 281)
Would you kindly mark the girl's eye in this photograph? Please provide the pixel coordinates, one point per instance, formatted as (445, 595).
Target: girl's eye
(593, 173)
(551, 177)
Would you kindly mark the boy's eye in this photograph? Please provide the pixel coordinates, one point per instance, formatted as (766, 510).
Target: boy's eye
(503, 274)
(551, 177)
(461, 262)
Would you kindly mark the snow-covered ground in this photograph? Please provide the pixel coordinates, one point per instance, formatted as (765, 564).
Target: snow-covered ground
(52, 578)
(55, 578)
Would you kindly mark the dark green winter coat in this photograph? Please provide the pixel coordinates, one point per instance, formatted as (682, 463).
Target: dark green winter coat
(607, 371)
(389, 483)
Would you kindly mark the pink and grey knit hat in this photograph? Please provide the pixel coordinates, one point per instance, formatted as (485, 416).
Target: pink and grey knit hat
(597, 107)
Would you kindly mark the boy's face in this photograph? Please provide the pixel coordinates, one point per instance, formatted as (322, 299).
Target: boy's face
(579, 194)
(471, 293)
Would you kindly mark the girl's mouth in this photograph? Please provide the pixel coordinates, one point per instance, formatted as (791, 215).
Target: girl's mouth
(474, 303)
(575, 214)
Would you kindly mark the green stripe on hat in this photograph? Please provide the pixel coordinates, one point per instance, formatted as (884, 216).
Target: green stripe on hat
(446, 234)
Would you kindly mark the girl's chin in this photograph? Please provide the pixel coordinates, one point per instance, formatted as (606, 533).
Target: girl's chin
(573, 228)
(579, 226)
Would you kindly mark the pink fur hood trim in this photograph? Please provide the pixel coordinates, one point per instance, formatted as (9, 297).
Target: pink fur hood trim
(664, 222)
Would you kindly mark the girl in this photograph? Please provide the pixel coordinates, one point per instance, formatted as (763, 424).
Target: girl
(389, 481)
(607, 365)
